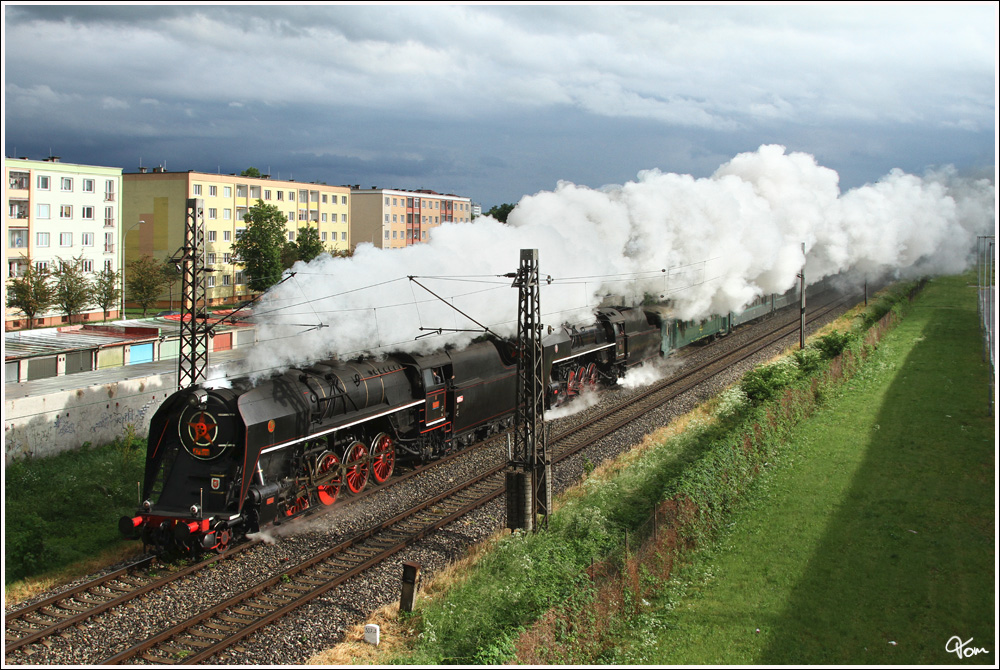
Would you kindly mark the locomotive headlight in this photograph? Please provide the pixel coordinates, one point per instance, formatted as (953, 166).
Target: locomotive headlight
(198, 398)
(146, 505)
(195, 510)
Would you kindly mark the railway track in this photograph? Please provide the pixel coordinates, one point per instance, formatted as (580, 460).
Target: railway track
(211, 632)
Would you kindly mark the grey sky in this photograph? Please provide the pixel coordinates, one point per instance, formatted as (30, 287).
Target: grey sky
(496, 102)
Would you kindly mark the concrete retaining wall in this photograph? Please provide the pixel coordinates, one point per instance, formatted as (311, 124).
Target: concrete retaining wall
(45, 425)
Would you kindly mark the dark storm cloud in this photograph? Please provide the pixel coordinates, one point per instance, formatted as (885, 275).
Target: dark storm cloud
(499, 101)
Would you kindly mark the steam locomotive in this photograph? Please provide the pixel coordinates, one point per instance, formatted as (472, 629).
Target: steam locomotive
(224, 462)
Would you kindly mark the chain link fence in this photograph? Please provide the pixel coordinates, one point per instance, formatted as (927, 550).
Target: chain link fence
(987, 285)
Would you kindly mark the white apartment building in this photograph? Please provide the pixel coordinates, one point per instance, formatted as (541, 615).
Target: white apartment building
(60, 211)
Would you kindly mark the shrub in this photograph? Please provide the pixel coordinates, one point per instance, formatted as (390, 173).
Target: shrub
(765, 382)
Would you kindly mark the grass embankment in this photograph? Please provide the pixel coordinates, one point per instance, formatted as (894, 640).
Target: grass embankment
(61, 513)
(868, 524)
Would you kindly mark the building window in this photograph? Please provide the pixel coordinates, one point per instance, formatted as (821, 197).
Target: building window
(227, 235)
(109, 217)
(43, 211)
(65, 239)
(324, 217)
(211, 235)
(387, 218)
(343, 235)
(88, 185)
(227, 258)
(42, 183)
(109, 266)
(213, 191)
(255, 192)
(386, 201)
(227, 280)
(394, 234)
(343, 218)
(109, 243)
(87, 239)
(393, 202)
(267, 194)
(343, 200)
(325, 196)
(291, 235)
(196, 189)
(387, 234)
(227, 191)
(17, 239)
(281, 195)
(109, 190)
(66, 184)
(213, 213)
(87, 265)
(291, 196)
(210, 283)
(227, 214)
(210, 258)
(42, 266)
(66, 211)
(88, 212)
(239, 277)
(41, 239)
(323, 235)
(241, 190)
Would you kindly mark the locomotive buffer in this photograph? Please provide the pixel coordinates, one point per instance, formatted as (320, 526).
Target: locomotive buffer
(529, 473)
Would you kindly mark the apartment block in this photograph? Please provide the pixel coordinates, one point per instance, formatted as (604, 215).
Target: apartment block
(393, 218)
(155, 205)
(60, 211)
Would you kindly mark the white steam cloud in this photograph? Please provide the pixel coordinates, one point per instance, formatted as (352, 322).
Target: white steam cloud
(710, 245)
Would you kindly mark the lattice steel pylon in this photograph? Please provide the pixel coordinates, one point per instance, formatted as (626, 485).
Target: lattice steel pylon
(193, 359)
(529, 473)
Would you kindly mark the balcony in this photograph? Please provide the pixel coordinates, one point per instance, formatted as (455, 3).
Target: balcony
(19, 181)
(17, 209)
(109, 248)
(109, 196)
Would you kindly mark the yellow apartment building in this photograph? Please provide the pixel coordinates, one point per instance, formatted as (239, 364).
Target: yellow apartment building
(393, 218)
(155, 204)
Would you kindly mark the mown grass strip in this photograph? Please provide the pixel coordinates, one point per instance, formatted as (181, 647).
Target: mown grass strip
(872, 542)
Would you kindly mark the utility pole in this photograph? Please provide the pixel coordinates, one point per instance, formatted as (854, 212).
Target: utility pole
(802, 300)
(529, 473)
(193, 358)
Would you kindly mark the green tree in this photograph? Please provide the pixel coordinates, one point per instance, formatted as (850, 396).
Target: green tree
(171, 275)
(500, 212)
(144, 281)
(73, 289)
(260, 246)
(107, 289)
(250, 172)
(308, 245)
(31, 292)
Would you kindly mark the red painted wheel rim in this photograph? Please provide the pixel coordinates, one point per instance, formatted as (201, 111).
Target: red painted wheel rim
(301, 503)
(383, 457)
(571, 383)
(356, 474)
(327, 493)
(592, 375)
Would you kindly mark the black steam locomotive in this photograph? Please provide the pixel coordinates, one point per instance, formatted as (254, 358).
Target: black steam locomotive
(224, 462)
